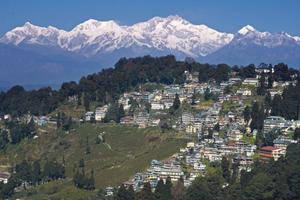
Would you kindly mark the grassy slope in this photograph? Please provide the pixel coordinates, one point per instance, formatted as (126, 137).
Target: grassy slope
(127, 150)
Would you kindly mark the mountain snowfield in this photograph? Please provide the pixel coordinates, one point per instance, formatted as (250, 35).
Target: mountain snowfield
(173, 32)
(102, 43)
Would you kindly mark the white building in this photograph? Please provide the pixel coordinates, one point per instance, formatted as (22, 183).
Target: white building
(272, 122)
(101, 112)
(156, 105)
(4, 176)
(251, 81)
(89, 115)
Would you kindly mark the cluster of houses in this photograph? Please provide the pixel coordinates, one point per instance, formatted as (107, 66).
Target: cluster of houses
(157, 170)
(220, 133)
(172, 168)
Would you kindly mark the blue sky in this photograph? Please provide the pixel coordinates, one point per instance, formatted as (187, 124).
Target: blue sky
(223, 15)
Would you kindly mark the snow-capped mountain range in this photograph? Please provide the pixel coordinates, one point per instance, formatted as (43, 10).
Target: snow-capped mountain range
(106, 41)
(94, 37)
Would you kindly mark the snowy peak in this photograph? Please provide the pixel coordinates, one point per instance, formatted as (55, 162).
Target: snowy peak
(32, 34)
(92, 26)
(171, 34)
(176, 33)
(246, 29)
(248, 35)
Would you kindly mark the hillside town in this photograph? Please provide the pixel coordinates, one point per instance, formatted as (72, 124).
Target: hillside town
(212, 117)
(217, 123)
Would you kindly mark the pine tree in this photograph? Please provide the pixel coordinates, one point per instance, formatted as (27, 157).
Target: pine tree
(87, 146)
(131, 193)
(207, 94)
(146, 193)
(225, 168)
(91, 185)
(247, 114)
(167, 195)
(276, 106)
(178, 191)
(176, 103)
(122, 194)
(86, 102)
(159, 190)
(3, 139)
(270, 80)
(261, 90)
(235, 173)
(121, 112)
(296, 134)
(58, 120)
(194, 99)
(268, 103)
(31, 128)
(36, 172)
(199, 190)
(257, 116)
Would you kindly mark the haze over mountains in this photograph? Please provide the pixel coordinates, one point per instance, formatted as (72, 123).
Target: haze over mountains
(34, 55)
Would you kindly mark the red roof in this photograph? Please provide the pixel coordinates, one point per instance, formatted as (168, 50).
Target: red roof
(268, 148)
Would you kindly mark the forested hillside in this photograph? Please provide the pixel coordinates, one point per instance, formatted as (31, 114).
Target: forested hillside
(107, 85)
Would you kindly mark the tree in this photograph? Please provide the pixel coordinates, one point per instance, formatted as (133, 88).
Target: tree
(146, 193)
(167, 189)
(296, 134)
(259, 140)
(122, 194)
(225, 165)
(199, 190)
(81, 164)
(281, 72)
(270, 137)
(217, 127)
(207, 94)
(159, 189)
(91, 181)
(178, 191)
(58, 120)
(245, 178)
(30, 128)
(270, 80)
(257, 116)
(7, 190)
(268, 103)
(131, 193)
(258, 188)
(203, 75)
(222, 73)
(86, 102)
(113, 113)
(87, 146)
(82, 181)
(247, 114)
(176, 103)
(36, 172)
(121, 112)
(67, 123)
(53, 170)
(261, 90)
(235, 173)
(248, 71)
(276, 106)
(3, 139)
(194, 99)
(24, 171)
